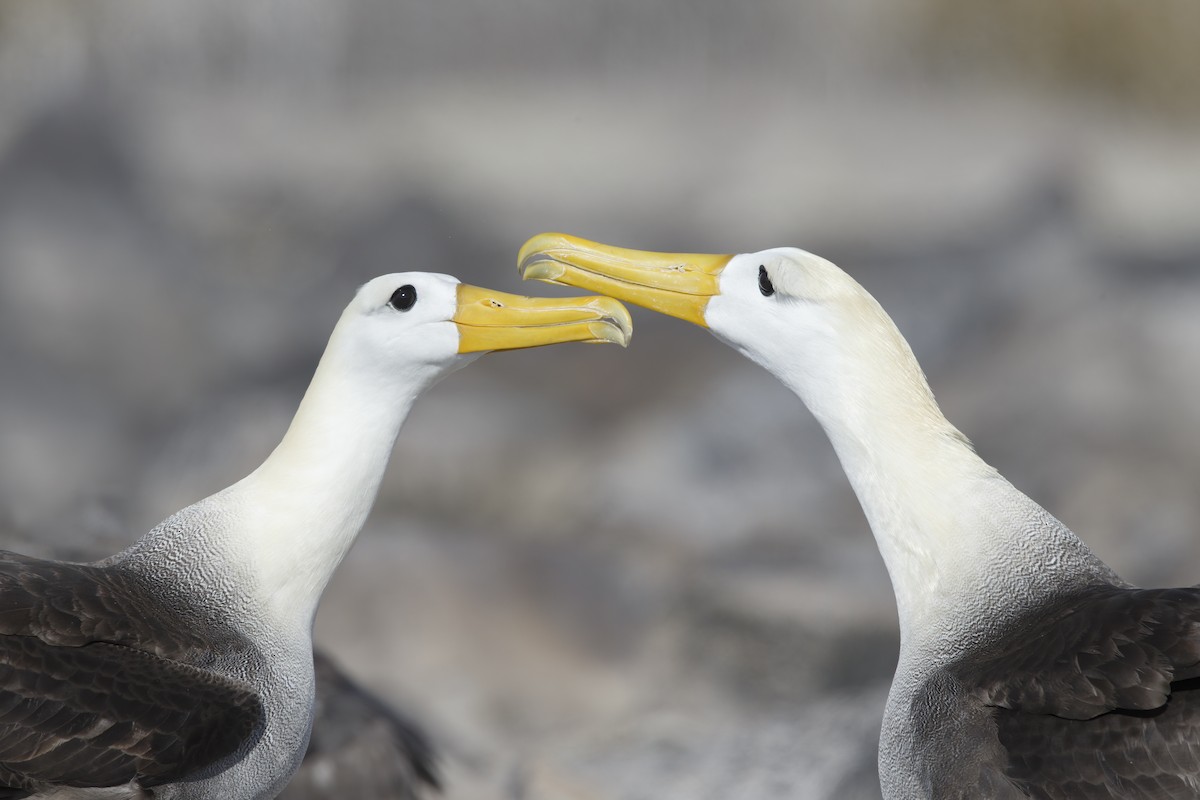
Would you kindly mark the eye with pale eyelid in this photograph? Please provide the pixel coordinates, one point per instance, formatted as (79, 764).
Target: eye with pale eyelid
(764, 282)
(403, 298)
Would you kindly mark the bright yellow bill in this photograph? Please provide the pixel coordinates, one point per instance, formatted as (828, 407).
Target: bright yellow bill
(489, 320)
(678, 284)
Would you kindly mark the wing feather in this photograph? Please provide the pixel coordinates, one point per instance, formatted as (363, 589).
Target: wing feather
(95, 688)
(1097, 697)
(1108, 648)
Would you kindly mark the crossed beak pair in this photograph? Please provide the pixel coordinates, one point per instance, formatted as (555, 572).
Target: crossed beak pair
(677, 284)
(490, 320)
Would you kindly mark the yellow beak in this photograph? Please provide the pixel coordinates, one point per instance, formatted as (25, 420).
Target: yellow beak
(678, 284)
(489, 320)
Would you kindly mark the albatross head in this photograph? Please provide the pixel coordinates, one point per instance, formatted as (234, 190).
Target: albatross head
(794, 313)
(415, 327)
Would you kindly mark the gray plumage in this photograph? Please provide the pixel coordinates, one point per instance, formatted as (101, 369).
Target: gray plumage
(94, 689)
(1094, 697)
(102, 683)
(122, 674)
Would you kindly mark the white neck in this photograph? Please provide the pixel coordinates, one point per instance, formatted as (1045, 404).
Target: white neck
(311, 496)
(283, 529)
(960, 543)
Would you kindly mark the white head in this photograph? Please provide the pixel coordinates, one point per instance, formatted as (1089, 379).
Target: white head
(399, 329)
(411, 328)
(796, 314)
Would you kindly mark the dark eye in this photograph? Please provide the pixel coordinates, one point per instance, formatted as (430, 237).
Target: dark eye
(404, 298)
(764, 282)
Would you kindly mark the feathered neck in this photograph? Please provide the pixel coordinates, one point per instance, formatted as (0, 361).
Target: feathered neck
(961, 544)
(271, 541)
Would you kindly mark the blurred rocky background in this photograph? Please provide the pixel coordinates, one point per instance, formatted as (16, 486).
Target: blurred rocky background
(597, 574)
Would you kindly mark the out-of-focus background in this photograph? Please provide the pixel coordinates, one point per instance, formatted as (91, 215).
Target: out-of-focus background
(598, 574)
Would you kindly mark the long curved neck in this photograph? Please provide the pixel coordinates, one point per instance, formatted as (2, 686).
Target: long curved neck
(309, 499)
(283, 529)
(960, 543)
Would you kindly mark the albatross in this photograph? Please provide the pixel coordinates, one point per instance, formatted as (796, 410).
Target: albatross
(182, 667)
(1028, 668)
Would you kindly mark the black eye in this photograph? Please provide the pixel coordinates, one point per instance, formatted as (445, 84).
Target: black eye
(764, 282)
(404, 298)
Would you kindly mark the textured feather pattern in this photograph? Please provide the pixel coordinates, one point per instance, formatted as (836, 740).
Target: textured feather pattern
(1104, 649)
(73, 604)
(1096, 697)
(94, 688)
(1126, 755)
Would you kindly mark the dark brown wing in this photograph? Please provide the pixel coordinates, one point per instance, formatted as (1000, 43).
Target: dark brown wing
(1116, 756)
(1098, 696)
(73, 604)
(1108, 648)
(87, 697)
(103, 714)
(361, 748)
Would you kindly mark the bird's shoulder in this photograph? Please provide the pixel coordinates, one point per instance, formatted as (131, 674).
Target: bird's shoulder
(964, 749)
(95, 684)
(103, 715)
(69, 604)
(954, 749)
(1097, 650)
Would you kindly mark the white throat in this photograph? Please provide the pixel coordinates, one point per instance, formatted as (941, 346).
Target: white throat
(960, 543)
(269, 543)
(307, 502)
